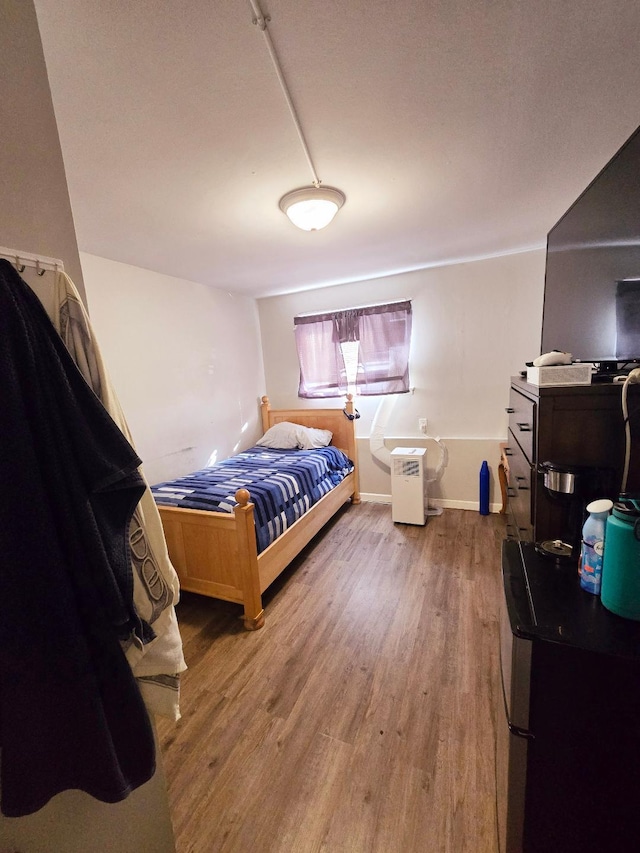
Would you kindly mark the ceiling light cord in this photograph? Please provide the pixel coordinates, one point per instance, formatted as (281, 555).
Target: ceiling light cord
(262, 23)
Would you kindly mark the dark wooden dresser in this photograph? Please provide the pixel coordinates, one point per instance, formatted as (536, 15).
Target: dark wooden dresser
(573, 425)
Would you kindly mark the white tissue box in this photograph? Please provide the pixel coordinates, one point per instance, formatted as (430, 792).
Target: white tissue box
(560, 374)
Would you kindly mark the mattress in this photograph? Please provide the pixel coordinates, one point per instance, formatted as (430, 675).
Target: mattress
(283, 485)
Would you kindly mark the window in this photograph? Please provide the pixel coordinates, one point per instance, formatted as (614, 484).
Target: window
(361, 350)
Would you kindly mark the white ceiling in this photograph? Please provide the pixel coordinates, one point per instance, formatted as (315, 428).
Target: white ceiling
(456, 128)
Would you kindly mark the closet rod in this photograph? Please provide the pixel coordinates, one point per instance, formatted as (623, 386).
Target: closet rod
(28, 259)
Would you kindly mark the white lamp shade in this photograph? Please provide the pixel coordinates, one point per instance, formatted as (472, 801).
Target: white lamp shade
(312, 208)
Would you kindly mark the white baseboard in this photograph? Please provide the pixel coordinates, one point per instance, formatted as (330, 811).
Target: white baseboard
(375, 499)
(435, 502)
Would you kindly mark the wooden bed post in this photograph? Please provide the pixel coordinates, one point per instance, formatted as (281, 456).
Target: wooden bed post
(350, 410)
(265, 408)
(248, 559)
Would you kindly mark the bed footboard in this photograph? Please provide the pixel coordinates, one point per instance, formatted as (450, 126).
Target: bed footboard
(215, 554)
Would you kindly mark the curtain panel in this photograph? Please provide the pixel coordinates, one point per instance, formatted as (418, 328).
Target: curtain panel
(383, 333)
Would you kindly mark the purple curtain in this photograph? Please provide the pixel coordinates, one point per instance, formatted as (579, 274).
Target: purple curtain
(384, 335)
(322, 370)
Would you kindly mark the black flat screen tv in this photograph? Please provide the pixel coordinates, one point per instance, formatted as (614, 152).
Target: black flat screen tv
(592, 278)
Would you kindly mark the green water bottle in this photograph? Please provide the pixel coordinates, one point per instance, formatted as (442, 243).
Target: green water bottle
(620, 592)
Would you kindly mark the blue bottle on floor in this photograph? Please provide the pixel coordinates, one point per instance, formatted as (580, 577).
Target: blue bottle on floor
(484, 488)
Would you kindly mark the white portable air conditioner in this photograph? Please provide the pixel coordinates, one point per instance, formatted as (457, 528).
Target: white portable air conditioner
(408, 485)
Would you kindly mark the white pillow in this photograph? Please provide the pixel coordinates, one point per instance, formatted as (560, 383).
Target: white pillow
(310, 437)
(288, 436)
(283, 436)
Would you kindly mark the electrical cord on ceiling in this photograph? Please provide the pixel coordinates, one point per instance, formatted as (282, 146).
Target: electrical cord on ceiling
(262, 22)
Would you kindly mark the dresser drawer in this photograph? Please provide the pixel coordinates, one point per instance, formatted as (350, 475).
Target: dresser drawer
(520, 490)
(522, 422)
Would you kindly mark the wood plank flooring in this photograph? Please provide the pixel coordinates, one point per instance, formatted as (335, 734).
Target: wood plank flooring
(361, 718)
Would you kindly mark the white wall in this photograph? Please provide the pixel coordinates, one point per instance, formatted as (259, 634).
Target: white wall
(35, 211)
(74, 822)
(185, 360)
(474, 325)
(35, 216)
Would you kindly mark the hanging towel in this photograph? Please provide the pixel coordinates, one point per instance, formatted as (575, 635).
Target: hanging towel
(158, 661)
(71, 712)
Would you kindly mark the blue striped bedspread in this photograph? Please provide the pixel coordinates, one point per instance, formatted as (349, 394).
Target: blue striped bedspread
(283, 485)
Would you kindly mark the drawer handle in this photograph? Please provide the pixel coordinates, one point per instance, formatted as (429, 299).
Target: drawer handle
(524, 427)
(509, 410)
(511, 492)
(524, 480)
(508, 451)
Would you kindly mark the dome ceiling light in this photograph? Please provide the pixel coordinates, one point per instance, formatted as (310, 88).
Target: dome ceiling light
(314, 207)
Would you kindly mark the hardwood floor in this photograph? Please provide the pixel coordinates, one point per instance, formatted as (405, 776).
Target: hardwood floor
(362, 717)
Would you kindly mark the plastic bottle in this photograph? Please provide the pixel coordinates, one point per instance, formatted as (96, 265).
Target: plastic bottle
(593, 538)
(484, 488)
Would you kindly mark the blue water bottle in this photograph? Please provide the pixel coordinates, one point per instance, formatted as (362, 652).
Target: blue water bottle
(484, 488)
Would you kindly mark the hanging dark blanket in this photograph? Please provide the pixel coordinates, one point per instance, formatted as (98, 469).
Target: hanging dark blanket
(71, 714)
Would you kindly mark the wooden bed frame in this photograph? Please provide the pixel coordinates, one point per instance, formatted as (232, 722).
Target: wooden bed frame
(215, 553)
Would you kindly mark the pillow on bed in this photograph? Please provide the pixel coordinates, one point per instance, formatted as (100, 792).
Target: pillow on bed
(310, 437)
(288, 436)
(283, 436)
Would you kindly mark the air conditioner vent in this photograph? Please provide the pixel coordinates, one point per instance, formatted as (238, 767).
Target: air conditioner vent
(407, 467)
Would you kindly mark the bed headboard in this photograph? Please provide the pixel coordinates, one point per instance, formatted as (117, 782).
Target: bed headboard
(343, 429)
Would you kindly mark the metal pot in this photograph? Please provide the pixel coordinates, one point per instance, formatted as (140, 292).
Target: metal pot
(560, 479)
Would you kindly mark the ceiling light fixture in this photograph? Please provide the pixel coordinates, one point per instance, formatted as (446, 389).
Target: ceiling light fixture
(310, 208)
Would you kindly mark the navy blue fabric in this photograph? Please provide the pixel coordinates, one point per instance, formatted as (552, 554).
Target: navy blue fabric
(283, 485)
(71, 712)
